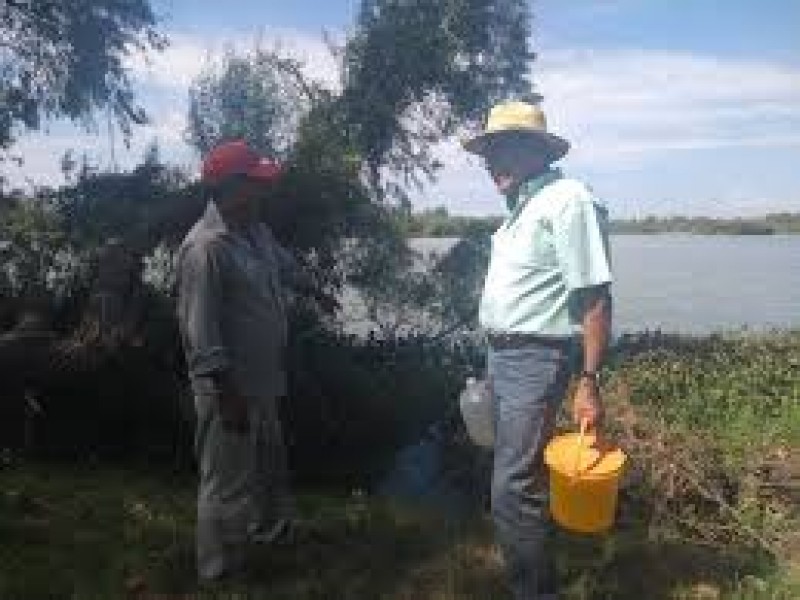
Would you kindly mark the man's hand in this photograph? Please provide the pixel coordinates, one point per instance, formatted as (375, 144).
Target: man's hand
(232, 406)
(233, 411)
(587, 404)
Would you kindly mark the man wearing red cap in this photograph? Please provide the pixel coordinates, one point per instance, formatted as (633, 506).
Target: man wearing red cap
(232, 314)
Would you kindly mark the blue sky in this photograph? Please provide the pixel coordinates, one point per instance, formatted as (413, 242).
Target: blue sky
(681, 106)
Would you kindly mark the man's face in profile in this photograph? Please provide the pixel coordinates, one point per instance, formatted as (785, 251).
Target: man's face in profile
(511, 157)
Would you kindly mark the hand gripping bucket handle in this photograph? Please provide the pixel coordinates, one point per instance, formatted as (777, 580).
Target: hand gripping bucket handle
(581, 436)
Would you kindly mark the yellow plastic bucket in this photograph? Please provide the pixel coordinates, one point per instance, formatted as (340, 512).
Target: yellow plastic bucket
(584, 481)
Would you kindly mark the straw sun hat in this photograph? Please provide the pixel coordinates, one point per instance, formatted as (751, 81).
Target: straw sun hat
(523, 120)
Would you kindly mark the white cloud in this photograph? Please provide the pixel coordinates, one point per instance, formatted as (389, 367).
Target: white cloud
(631, 113)
(42, 151)
(167, 127)
(627, 113)
(174, 67)
(162, 81)
(631, 105)
(187, 56)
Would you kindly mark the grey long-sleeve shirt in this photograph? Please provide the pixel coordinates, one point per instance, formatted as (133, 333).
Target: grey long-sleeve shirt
(231, 305)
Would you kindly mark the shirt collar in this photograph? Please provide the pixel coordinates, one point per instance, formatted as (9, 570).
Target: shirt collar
(530, 187)
(212, 220)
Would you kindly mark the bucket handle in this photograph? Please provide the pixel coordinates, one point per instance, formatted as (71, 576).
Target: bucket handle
(581, 436)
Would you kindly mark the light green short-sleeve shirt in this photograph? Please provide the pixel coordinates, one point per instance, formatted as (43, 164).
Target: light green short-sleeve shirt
(554, 243)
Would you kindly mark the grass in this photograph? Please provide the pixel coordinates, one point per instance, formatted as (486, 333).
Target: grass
(713, 428)
(725, 409)
(744, 389)
(94, 533)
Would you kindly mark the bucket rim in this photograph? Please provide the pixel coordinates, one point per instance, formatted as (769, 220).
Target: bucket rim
(558, 465)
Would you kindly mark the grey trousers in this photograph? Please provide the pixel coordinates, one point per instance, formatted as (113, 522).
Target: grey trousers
(529, 385)
(244, 484)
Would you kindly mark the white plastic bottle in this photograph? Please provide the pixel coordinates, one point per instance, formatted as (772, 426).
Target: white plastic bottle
(477, 411)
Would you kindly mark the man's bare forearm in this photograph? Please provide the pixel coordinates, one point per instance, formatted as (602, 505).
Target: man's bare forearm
(596, 327)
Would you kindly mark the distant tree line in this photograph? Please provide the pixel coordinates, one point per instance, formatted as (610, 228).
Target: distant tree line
(438, 222)
(766, 225)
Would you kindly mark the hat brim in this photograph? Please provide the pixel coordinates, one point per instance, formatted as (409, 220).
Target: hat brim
(551, 145)
(265, 170)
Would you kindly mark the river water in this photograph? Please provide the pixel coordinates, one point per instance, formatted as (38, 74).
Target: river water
(697, 283)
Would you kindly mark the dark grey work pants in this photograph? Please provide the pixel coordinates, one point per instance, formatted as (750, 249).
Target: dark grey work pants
(529, 384)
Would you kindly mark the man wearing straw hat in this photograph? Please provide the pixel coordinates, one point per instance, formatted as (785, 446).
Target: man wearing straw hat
(548, 286)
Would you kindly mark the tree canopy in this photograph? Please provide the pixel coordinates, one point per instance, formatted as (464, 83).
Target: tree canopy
(417, 69)
(412, 73)
(256, 97)
(67, 59)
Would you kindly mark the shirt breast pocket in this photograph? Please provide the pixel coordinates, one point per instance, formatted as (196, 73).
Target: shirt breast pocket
(543, 249)
(532, 246)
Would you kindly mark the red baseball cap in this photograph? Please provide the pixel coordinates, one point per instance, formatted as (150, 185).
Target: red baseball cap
(237, 158)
